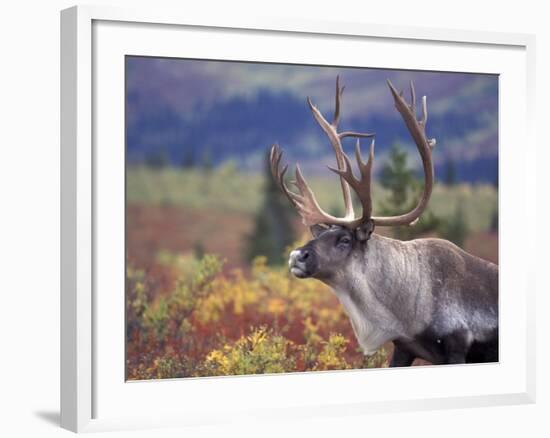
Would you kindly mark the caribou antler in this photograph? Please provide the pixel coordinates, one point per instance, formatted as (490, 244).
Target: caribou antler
(335, 138)
(305, 201)
(417, 128)
(362, 185)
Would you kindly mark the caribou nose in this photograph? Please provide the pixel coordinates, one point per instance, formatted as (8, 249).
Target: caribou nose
(298, 262)
(303, 255)
(298, 256)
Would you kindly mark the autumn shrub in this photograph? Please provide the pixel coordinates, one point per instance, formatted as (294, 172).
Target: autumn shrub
(331, 356)
(213, 322)
(259, 352)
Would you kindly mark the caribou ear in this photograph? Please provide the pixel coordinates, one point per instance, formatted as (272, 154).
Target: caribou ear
(317, 229)
(363, 231)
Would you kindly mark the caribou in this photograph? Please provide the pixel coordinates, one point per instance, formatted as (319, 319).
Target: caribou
(427, 296)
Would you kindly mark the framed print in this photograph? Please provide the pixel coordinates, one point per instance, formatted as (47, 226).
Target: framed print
(201, 283)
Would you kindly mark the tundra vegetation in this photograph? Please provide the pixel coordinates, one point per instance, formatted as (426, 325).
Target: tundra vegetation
(200, 301)
(209, 322)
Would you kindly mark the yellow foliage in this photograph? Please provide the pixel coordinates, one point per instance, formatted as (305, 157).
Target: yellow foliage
(216, 323)
(331, 357)
(259, 352)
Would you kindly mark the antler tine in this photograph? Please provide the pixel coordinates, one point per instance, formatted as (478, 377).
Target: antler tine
(275, 156)
(417, 128)
(413, 97)
(339, 92)
(274, 160)
(305, 202)
(309, 209)
(361, 186)
(335, 140)
(344, 134)
(366, 170)
(332, 135)
(424, 113)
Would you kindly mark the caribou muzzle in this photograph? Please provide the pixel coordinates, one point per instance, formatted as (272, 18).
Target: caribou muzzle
(303, 262)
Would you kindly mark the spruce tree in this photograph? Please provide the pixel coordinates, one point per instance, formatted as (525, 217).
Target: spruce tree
(404, 192)
(273, 231)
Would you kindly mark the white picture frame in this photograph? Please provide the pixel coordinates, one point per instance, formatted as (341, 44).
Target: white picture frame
(94, 41)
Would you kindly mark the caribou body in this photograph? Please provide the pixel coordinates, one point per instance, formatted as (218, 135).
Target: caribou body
(429, 297)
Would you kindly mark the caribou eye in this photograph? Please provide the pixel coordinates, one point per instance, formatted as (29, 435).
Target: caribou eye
(344, 241)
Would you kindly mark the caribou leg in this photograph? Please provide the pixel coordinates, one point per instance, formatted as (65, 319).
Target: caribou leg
(401, 356)
(457, 346)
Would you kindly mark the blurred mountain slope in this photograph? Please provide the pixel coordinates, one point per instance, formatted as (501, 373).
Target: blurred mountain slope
(234, 111)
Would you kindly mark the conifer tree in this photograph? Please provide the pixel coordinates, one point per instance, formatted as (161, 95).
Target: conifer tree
(404, 191)
(273, 230)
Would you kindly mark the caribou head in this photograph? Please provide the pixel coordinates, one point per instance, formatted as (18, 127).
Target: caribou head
(335, 237)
